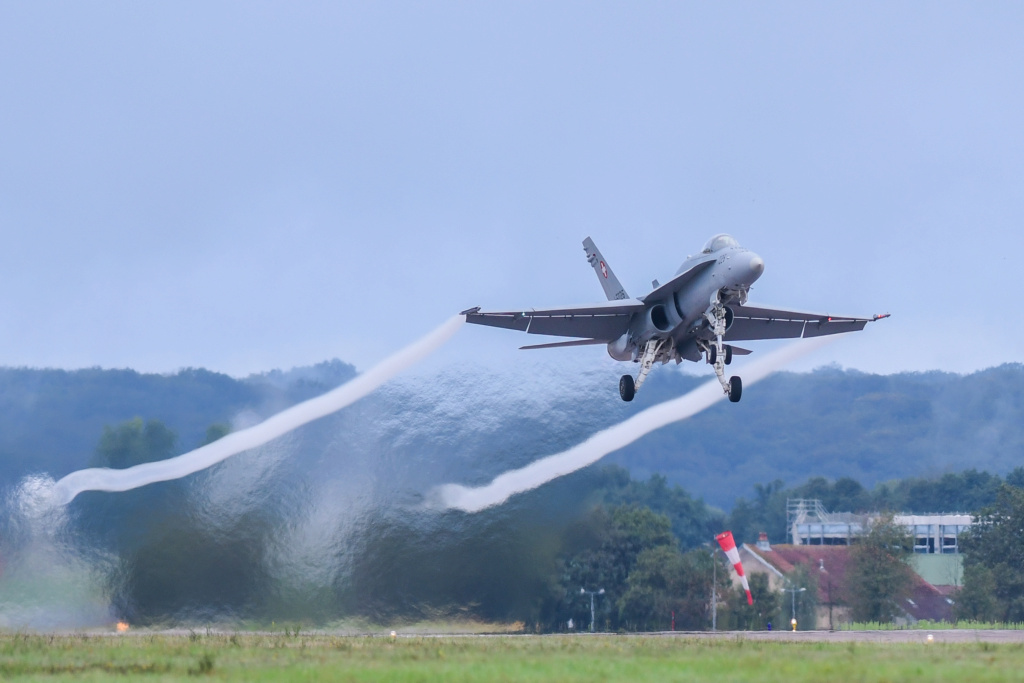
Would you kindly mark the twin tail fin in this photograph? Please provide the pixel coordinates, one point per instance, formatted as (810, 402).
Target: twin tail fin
(612, 288)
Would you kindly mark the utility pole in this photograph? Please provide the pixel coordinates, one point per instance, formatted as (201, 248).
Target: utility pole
(584, 591)
(828, 586)
(714, 591)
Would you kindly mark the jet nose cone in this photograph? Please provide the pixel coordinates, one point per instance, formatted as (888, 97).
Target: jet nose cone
(756, 266)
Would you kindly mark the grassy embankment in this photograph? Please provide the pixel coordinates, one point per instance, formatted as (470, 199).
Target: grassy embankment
(501, 658)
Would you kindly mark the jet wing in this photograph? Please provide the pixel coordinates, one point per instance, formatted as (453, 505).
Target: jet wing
(764, 322)
(605, 321)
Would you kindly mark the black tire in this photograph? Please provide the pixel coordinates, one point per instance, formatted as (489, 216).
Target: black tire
(627, 388)
(728, 355)
(712, 354)
(735, 389)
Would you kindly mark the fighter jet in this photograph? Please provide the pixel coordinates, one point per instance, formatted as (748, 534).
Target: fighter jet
(695, 315)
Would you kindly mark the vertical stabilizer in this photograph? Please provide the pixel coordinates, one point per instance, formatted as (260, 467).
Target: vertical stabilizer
(612, 289)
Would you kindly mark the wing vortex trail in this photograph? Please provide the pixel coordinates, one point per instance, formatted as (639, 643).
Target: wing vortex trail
(105, 479)
(612, 439)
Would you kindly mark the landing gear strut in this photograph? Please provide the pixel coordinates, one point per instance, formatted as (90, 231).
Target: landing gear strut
(718, 354)
(627, 387)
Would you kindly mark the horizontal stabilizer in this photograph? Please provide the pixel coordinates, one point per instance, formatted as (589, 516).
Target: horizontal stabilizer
(574, 342)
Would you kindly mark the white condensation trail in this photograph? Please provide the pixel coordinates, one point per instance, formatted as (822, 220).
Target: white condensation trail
(612, 439)
(105, 479)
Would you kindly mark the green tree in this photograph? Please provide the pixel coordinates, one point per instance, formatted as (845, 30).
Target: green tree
(652, 589)
(216, 432)
(617, 536)
(694, 613)
(1016, 477)
(995, 543)
(765, 610)
(693, 522)
(766, 512)
(976, 600)
(848, 495)
(667, 585)
(967, 490)
(879, 577)
(134, 442)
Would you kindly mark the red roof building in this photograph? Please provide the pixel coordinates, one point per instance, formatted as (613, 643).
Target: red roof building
(828, 565)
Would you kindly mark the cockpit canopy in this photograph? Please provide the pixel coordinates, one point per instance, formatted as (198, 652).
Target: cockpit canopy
(720, 241)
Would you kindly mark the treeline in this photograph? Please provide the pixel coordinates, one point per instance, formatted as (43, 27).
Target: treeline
(870, 428)
(49, 419)
(646, 544)
(693, 520)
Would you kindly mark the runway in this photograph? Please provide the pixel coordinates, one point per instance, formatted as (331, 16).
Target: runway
(878, 636)
(891, 636)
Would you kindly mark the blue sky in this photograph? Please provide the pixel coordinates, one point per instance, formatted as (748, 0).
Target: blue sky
(245, 186)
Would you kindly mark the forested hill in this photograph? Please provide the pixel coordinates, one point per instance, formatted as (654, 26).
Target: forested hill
(51, 420)
(837, 423)
(830, 422)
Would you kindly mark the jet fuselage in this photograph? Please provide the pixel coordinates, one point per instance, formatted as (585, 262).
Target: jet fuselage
(724, 273)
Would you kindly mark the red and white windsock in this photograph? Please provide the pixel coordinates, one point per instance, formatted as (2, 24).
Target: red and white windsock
(725, 540)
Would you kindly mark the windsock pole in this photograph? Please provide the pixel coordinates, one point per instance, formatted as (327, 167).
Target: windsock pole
(728, 544)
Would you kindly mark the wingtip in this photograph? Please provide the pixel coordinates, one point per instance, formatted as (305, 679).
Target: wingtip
(881, 316)
(470, 311)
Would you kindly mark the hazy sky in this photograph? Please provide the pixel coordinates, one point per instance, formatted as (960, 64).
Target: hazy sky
(249, 185)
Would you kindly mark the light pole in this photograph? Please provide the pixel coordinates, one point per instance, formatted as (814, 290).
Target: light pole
(714, 591)
(792, 592)
(828, 587)
(584, 591)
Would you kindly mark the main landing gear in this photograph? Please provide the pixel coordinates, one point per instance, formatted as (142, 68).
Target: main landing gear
(627, 387)
(718, 354)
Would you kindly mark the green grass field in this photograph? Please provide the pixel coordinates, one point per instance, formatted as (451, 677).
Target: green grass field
(501, 658)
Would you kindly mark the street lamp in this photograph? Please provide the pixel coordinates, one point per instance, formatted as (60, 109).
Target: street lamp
(584, 591)
(792, 592)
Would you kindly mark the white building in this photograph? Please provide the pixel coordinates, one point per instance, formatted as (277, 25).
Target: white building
(810, 524)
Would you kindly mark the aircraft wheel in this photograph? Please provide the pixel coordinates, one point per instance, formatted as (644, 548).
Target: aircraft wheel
(728, 355)
(627, 388)
(735, 389)
(712, 355)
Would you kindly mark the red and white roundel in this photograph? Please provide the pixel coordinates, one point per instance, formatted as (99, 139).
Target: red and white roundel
(604, 270)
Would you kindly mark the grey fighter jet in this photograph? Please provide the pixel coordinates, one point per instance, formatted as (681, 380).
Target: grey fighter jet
(697, 314)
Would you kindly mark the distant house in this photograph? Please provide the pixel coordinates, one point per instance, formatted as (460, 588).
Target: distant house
(828, 565)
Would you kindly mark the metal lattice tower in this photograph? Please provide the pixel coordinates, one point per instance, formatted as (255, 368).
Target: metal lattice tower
(799, 510)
